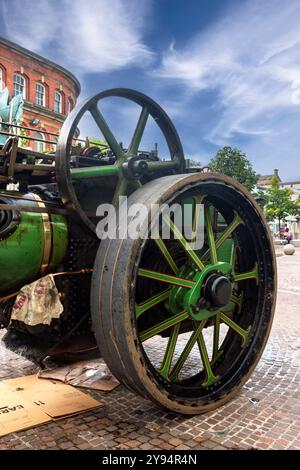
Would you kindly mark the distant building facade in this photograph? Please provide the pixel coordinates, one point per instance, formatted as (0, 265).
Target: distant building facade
(266, 180)
(49, 90)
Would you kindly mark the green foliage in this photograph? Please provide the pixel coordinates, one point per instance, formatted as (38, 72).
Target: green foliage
(24, 142)
(232, 162)
(94, 142)
(279, 202)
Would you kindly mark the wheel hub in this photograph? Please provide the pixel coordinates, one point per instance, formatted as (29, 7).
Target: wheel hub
(211, 292)
(217, 290)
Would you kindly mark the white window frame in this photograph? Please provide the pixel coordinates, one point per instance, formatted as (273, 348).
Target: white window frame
(39, 93)
(58, 93)
(39, 146)
(23, 84)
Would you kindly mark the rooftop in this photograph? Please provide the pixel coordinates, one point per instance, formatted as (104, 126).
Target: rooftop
(43, 60)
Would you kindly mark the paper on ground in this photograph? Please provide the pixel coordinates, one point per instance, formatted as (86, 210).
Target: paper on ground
(93, 374)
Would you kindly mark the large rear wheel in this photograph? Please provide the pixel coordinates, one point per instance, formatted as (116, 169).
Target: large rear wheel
(186, 327)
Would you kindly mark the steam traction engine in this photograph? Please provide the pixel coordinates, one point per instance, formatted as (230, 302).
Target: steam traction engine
(183, 327)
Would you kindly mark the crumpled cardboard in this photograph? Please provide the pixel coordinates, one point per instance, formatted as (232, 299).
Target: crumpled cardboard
(29, 401)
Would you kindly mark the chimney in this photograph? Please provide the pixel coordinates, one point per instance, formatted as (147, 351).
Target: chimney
(276, 173)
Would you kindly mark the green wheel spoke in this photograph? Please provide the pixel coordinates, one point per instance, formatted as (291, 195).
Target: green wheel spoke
(196, 215)
(108, 135)
(241, 331)
(178, 235)
(162, 246)
(121, 190)
(216, 336)
(210, 235)
(154, 330)
(238, 301)
(167, 361)
(138, 133)
(226, 234)
(253, 274)
(186, 351)
(156, 299)
(162, 277)
(233, 257)
(210, 378)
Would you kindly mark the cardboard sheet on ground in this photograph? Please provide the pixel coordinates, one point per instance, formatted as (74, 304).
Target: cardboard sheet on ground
(93, 374)
(53, 398)
(17, 413)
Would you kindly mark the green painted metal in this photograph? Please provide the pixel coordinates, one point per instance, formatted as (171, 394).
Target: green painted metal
(216, 336)
(154, 300)
(109, 137)
(165, 278)
(187, 247)
(192, 297)
(177, 293)
(95, 171)
(164, 165)
(162, 246)
(226, 234)
(210, 235)
(225, 251)
(163, 326)
(253, 274)
(22, 253)
(241, 331)
(116, 170)
(210, 377)
(139, 131)
(60, 241)
(167, 361)
(186, 351)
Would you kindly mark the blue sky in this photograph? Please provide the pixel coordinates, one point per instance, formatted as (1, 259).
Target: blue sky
(226, 71)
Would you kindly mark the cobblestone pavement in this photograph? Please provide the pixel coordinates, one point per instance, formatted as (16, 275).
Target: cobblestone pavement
(265, 414)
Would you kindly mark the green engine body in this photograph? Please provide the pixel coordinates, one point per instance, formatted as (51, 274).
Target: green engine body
(31, 244)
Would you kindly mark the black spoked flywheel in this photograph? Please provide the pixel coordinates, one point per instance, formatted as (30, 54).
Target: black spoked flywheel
(81, 189)
(186, 326)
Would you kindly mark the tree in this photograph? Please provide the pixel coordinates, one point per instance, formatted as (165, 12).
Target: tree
(280, 203)
(233, 162)
(95, 142)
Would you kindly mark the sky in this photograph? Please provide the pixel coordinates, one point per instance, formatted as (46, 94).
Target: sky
(226, 71)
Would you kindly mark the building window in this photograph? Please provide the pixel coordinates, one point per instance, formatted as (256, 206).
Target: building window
(40, 94)
(39, 146)
(58, 102)
(54, 146)
(19, 85)
(70, 105)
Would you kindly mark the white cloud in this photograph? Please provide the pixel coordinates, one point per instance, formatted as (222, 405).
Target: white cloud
(251, 60)
(86, 35)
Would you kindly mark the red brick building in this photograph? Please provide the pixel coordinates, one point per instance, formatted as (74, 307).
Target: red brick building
(49, 90)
